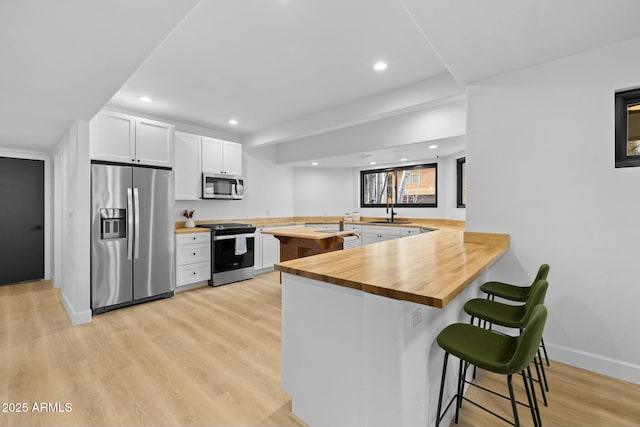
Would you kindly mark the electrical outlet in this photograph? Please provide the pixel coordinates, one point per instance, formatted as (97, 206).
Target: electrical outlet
(416, 318)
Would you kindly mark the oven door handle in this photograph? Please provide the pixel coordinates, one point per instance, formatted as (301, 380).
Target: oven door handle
(233, 236)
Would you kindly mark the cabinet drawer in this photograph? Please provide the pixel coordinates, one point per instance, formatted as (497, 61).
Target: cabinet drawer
(355, 227)
(190, 254)
(193, 273)
(408, 231)
(383, 231)
(185, 239)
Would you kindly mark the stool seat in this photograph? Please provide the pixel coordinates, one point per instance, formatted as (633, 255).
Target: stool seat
(513, 292)
(506, 291)
(480, 347)
(510, 316)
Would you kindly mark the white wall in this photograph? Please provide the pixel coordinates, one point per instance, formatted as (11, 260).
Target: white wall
(437, 122)
(540, 155)
(268, 191)
(322, 191)
(72, 233)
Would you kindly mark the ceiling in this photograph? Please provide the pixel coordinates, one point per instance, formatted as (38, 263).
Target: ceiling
(273, 65)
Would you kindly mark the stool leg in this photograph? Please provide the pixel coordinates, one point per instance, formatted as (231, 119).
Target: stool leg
(444, 374)
(540, 381)
(544, 375)
(460, 388)
(544, 349)
(529, 399)
(535, 398)
(513, 401)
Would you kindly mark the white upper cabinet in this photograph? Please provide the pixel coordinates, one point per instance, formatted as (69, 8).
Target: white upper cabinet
(121, 138)
(220, 156)
(187, 172)
(113, 137)
(154, 143)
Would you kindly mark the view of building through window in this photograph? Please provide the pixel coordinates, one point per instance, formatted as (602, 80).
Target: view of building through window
(401, 186)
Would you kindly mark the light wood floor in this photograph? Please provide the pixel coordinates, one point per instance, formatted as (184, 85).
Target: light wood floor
(208, 357)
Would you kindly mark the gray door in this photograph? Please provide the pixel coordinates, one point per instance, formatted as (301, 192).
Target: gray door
(154, 265)
(111, 253)
(21, 220)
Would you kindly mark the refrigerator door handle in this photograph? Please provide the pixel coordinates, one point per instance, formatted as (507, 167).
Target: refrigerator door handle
(136, 203)
(129, 224)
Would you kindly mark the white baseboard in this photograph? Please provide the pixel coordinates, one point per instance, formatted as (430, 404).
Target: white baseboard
(76, 317)
(603, 365)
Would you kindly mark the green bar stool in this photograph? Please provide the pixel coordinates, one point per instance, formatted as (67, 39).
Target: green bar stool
(494, 352)
(512, 316)
(516, 293)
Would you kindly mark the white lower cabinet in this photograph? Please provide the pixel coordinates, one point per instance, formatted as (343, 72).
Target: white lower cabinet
(193, 258)
(377, 233)
(267, 248)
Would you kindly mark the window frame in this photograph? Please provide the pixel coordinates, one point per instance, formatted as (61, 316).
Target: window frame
(622, 101)
(460, 167)
(395, 170)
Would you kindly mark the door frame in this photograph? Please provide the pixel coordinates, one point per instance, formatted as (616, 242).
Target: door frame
(34, 155)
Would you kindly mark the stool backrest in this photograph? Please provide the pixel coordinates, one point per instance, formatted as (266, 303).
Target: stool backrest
(536, 296)
(529, 340)
(543, 272)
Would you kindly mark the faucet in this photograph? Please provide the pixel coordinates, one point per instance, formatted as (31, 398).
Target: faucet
(392, 212)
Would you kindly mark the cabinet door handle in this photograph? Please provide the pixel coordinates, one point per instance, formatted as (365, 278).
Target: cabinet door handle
(194, 253)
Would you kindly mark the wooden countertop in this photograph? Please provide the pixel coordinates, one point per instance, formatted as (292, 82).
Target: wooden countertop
(192, 230)
(308, 233)
(433, 223)
(429, 268)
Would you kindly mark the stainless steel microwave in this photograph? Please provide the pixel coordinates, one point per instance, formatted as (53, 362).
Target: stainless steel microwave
(222, 186)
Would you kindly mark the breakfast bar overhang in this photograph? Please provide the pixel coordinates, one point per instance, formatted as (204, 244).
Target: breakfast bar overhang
(359, 326)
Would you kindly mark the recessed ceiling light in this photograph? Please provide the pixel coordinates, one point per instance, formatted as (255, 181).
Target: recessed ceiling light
(314, 163)
(144, 98)
(433, 146)
(380, 66)
(372, 163)
(404, 159)
(233, 122)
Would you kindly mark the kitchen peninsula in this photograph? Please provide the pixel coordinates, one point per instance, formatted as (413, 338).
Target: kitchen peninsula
(359, 328)
(297, 242)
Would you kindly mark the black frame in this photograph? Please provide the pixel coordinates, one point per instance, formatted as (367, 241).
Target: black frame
(460, 181)
(395, 183)
(623, 100)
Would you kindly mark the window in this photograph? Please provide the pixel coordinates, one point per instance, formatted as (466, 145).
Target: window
(627, 146)
(410, 186)
(462, 182)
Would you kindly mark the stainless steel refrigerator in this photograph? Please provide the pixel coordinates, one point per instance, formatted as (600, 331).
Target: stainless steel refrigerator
(132, 235)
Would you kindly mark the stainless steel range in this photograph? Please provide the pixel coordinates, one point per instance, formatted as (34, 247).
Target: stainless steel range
(232, 252)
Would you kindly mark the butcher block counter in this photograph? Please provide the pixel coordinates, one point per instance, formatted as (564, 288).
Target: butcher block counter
(430, 268)
(359, 326)
(298, 242)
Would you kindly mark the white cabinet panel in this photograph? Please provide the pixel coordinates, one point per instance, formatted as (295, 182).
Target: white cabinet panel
(123, 138)
(220, 156)
(154, 143)
(193, 273)
(232, 155)
(188, 254)
(270, 250)
(187, 170)
(330, 227)
(188, 238)
(409, 231)
(193, 258)
(211, 155)
(113, 137)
